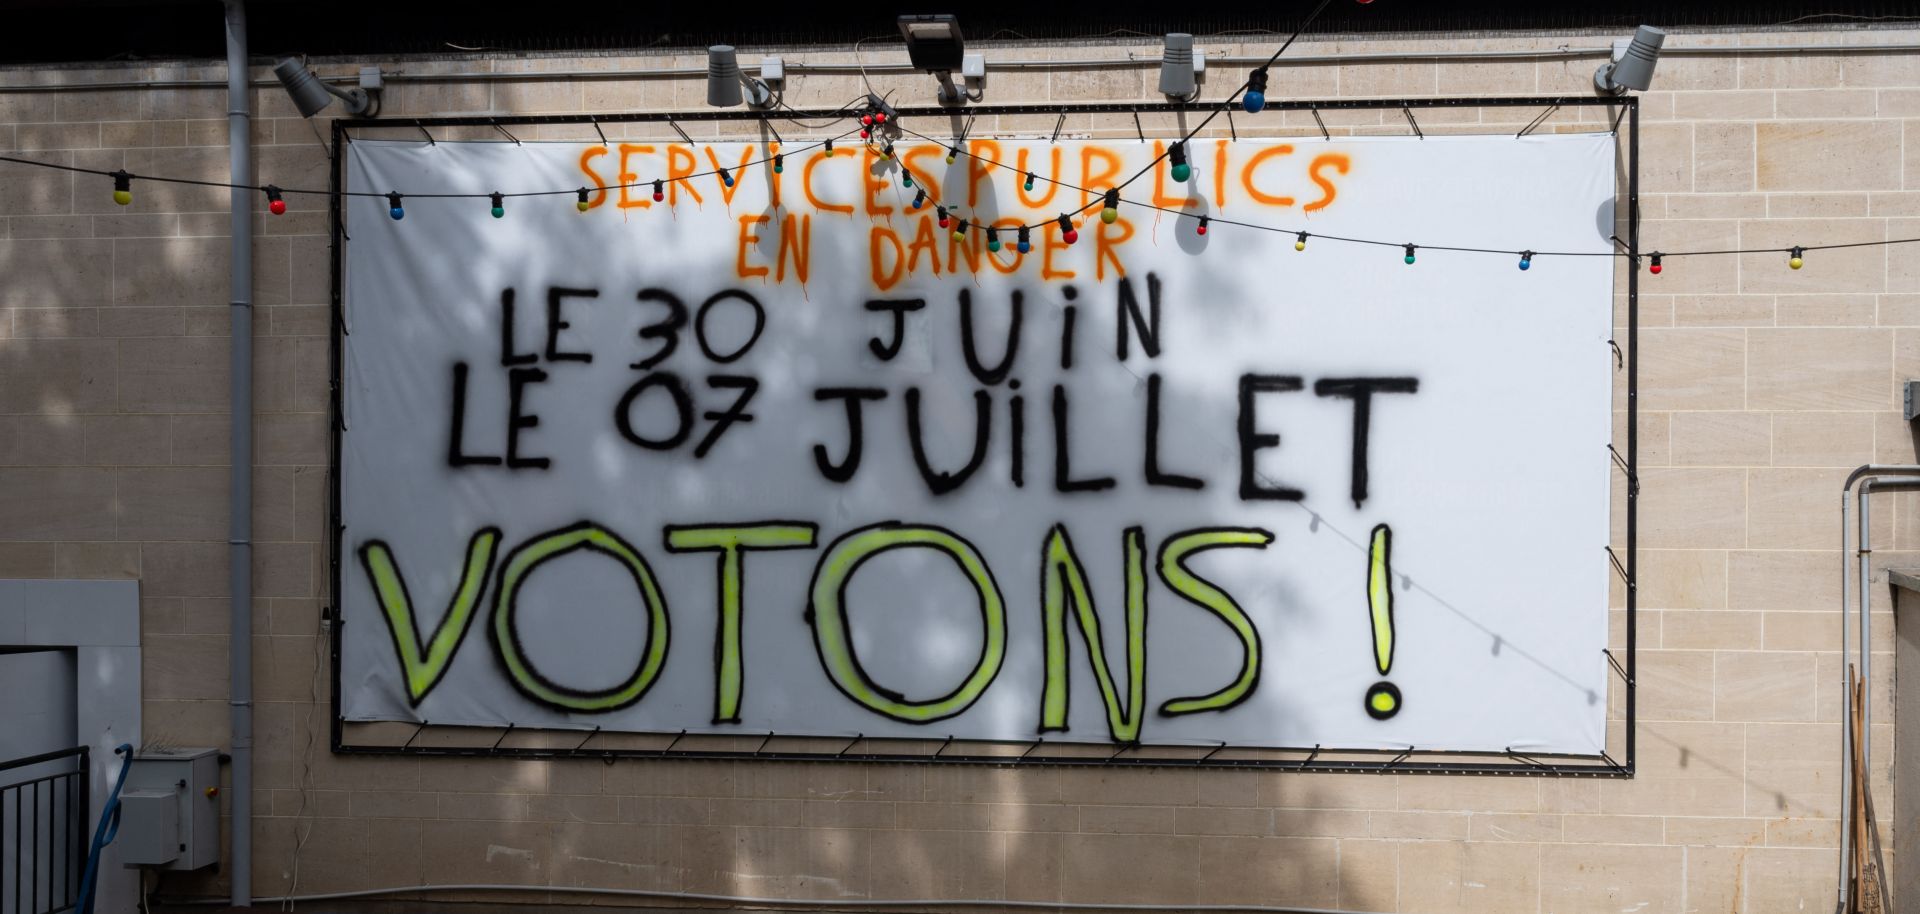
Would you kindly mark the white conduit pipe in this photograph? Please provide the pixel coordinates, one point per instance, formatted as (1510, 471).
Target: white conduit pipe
(838, 904)
(1082, 63)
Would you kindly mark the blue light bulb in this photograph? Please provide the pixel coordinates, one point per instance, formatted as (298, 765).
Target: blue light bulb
(1253, 101)
(1024, 247)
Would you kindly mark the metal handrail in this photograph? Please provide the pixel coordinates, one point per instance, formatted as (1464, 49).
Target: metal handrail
(75, 752)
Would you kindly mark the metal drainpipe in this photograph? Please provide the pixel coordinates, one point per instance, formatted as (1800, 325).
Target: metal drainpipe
(240, 456)
(1859, 560)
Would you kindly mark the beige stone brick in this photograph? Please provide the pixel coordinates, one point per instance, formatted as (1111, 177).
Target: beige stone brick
(1490, 794)
(1705, 630)
(1682, 765)
(1781, 880)
(1132, 868)
(1803, 832)
(172, 503)
(64, 273)
(1764, 686)
(1369, 875)
(1720, 438)
(1037, 865)
(1422, 826)
(1682, 579)
(1666, 152)
(1610, 878)
(1817, 206)
(56, 323)
(184, 667)
(1708, 206)
(1715, 831)
(1822, 439)
(29, 560)
(55, 226)
(1692, 369)
(89, 561)
(1722, 106)
(1675, 684)
(184, 569)
(1612, 829)
(1826, 310)
(1895, 440)
(50, 504)
(170, 271)
(1448, 877)
(1899, 310)
(1878, 70)
(1893, 203)
(1819, 369)
(125, 440)
(1828, 155)
(1780, 580)
(1389, 79)
(41, 441)
(511, 853)
(187, 375)
(1723, 157)
(1311, 823)
(1825, 103)
(1791, 770)
(1723, 310)
(1692, 508)
(1293, 871)
(1789, 71)
(1802, 631)
(1531, 828)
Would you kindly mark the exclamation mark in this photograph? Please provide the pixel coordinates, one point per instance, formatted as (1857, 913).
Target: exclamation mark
(1383, 697)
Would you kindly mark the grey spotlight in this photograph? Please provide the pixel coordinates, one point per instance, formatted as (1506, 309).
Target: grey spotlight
(310, 94)
(1176, 67)
(1632, 63)
(935, 45)
(725, 81)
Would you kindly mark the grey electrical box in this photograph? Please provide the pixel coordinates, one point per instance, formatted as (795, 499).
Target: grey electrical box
(170, 809)
(1912, 389)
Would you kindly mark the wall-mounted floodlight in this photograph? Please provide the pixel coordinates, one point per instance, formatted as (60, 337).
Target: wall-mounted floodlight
(310, 94)
(1181, 68)
(935, 45)
(1632, 63)
(725, 81)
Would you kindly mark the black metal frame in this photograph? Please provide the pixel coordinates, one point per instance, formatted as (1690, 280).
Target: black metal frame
(68, 867)
(1391, 761)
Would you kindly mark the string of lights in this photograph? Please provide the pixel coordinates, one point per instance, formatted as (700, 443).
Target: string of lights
(877, 130)
(874, 119)
(1110, 199)
(123, 182)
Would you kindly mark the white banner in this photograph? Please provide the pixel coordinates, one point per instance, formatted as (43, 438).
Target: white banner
(780, 453)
